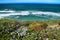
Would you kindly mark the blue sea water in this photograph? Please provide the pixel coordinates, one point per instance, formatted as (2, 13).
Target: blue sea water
(30, 11)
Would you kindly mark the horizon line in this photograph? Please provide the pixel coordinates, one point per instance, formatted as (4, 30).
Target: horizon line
(29, 3)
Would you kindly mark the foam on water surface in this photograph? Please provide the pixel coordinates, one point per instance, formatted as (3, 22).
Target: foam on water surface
(7, 13)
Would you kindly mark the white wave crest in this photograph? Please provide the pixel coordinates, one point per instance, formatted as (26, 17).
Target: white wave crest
(46, 13)
(14, 13)
(10, 12)
(6, 10)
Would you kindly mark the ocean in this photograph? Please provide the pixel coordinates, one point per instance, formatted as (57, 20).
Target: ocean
(29, 12)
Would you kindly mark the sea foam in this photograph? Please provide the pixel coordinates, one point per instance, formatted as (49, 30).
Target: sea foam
(11, 12)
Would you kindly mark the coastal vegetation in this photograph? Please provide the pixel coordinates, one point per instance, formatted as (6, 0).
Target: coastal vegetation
(29, 30)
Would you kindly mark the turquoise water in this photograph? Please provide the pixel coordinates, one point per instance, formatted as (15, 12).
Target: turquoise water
(30, 11)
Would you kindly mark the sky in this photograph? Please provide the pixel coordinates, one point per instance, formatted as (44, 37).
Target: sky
(31, 1)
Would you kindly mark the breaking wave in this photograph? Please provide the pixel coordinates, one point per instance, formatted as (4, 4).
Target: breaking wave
(6, 13)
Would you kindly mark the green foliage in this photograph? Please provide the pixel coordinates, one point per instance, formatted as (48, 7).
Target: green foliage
(44, 25)
(36, 30)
